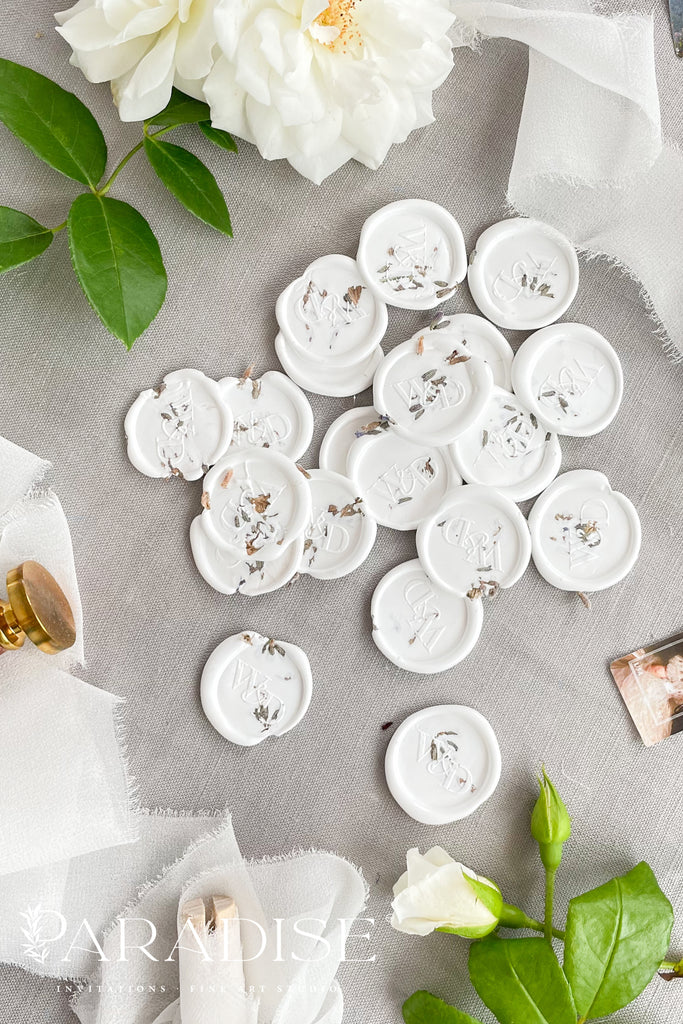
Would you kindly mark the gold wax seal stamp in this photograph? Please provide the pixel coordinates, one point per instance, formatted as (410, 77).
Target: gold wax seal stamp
(36, 608)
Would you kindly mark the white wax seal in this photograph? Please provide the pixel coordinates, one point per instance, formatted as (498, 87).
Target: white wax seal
(508, 449)
(443, 763)
(256, 502)
(432, 390)
(342, 432)
(571, 377)
(340, 534)
(343, 382)
(585, 536)
(253, 687)
(418, 625)
(329, 314)
(180, 428)
(412, 254)
(523, 274)
(269, 412)
(477, 541)
(480, 338)
(402, 483)
(230, 575)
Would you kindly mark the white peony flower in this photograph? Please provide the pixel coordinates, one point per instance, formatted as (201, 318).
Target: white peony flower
(317, 82)
(434, 893)
(143, 46)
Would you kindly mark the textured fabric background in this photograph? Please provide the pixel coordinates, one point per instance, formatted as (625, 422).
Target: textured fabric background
(540, 670)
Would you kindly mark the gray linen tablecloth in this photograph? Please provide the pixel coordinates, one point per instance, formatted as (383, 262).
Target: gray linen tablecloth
(540, 670)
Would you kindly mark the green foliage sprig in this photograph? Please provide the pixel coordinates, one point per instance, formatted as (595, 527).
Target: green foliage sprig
(615, 940)
(114, 252)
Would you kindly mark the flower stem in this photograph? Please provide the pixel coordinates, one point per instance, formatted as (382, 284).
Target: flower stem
(513, 917)
(60, 227)
(122, 163)
(549, 898)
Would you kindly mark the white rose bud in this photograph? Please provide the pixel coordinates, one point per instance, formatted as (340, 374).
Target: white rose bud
(438, 894)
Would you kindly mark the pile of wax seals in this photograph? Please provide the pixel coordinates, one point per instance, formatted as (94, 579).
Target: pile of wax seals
(451, 404)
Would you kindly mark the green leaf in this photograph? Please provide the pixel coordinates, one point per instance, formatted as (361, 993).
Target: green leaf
(118, 264)
(424, 1008)
(181, 109)
(218, 136)
(21, 238)
(190, 181)
(616, 937)
(521, 980)
(52, 122)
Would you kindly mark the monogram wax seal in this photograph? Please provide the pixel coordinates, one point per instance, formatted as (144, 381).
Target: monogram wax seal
(418, 625)
(585, 536)
(432, 391)
(256, 501)
(477, 541)
(341, 381)
(571, 377)
(480, 338)
(509, 449)
(523, 274)
(329, 314)
(412, 254)
(251, 576)
(402, 483)
(179, 428)
(254, 687)
(269, 412)
(443, 763)
(342, 432)
(340, 534)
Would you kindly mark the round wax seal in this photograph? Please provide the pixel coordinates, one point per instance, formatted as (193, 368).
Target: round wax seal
(523, 274)
(402, 483)
(480, 338)
(342, 432)
(585, 536)
(179, 428)
(571, 377)
(508, 449)
(230, 575)
(329, 314)
(340, 534)
(412, 254)
(477, 541)
(256, 502)
(269, 412)
(442, 764)
(432, 390)
(343, 382)
(253, 688)
(418, 625)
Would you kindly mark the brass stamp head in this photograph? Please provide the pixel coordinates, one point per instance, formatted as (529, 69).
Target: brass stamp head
(36, 608)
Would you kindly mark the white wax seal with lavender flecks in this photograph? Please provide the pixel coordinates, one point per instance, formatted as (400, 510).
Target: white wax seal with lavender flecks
(401, 483)
(412, 254)
(254, 687)
(585, 536)
(432, 390)
(477, 541)
(571, 377)
(523, 274)
(231, 575)
(480, 338)
(419, 626)
(443, 763)
(343, 382)
(342, 432)
(509, 449)
(269, 412)
(341, 533)
(256, 501)
(329, 315)
(179, 428)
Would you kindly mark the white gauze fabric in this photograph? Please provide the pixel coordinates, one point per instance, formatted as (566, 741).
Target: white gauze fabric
(590, 158)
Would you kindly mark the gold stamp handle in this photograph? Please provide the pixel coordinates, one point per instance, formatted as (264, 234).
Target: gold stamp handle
(36, 608)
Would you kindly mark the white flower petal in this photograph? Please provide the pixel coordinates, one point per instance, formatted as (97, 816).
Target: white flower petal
(227, 100)
(146, 90)
(320, 165)
(196, 40)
